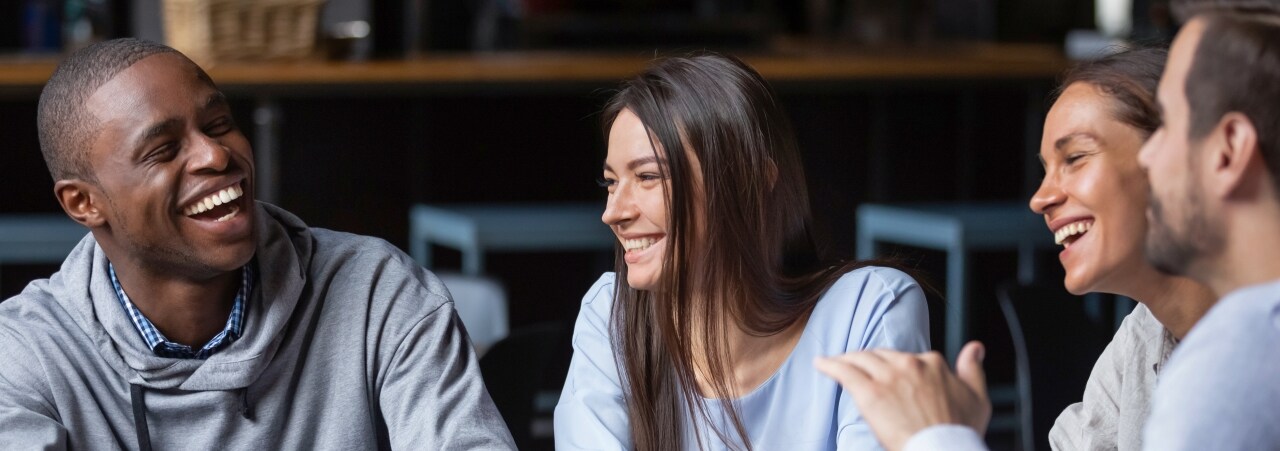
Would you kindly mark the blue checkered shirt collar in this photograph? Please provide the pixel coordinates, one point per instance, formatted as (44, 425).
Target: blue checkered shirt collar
(162, 347)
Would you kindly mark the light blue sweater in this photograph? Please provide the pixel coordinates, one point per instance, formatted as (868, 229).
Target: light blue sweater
(797, 408)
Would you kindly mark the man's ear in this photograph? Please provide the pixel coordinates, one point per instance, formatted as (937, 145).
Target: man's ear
(80, 199)
(1236, 163)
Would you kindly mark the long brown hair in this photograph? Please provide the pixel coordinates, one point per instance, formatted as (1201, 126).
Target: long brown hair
(749, 254)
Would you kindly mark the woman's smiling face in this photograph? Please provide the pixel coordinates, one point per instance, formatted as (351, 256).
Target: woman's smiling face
(1094, 194)
(637, 207)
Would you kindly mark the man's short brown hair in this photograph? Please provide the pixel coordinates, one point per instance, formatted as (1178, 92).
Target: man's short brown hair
(1184, 10)
(1236, 68)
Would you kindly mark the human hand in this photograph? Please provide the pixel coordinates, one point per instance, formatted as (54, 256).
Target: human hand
(900, 394)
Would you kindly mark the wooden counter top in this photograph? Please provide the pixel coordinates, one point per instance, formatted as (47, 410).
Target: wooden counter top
(969, 62)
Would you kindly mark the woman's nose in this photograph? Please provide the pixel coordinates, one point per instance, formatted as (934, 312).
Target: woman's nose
(1048, 196)
(619, 207)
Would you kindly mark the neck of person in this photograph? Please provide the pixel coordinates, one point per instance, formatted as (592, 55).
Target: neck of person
(1177, 302)
(187, 310)
(1248, 254)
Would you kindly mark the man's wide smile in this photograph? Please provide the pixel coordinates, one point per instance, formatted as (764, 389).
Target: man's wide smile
(220, 206)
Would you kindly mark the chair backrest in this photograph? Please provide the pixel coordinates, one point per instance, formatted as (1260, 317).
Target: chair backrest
(525, 373)
(481, 303)
(1056, 344)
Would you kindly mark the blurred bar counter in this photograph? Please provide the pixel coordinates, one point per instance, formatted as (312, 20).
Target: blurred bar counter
(791, 64)
(790, 67)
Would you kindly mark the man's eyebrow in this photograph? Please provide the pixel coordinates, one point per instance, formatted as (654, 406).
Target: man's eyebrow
(216, 99)
(158, 129)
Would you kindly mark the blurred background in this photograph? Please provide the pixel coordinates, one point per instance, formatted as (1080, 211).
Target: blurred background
(467, 133)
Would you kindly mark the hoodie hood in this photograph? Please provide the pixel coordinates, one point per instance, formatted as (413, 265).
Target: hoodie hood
(83, 288)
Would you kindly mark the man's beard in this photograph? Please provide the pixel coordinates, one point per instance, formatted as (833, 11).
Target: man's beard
(1173, 253)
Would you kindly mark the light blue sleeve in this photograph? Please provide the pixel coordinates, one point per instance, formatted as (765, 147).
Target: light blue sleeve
(952, 437)
(591, 414)
(891, 314)
(1221, 389)
(902, 322)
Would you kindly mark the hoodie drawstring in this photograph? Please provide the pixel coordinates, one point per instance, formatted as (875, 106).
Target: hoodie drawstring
(140, 417)
(246, 411)
(140, 413)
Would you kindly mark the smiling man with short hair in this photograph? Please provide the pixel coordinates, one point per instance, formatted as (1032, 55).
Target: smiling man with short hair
(194, 317)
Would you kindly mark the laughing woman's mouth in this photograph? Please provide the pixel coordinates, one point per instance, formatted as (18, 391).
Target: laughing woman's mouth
(638, 244)
(1071, 232)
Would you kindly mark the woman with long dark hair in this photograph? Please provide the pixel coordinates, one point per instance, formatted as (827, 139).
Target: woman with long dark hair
(705, 335)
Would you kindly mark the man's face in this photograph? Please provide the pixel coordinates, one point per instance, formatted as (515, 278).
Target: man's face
(166, 150)
(1178, 228)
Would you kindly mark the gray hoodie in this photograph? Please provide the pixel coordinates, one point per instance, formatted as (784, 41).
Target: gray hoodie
(347, 344)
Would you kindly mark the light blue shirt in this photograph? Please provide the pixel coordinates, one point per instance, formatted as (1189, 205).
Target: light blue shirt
(1222, 387)
(1220, 390)
(797, 408)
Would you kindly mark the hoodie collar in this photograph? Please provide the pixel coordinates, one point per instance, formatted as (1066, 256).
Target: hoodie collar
(84, 288)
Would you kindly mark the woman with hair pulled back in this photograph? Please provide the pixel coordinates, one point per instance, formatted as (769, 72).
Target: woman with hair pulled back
(704, 337)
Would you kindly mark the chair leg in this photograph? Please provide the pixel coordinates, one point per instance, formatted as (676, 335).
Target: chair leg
(957, 303)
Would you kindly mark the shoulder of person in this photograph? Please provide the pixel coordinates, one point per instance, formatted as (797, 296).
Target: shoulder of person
(374, 265)
(1139, 328)
(597, 302)
(34, 314)
(1234, 334)
(872, 280)
(31, 324)
(1232, 346)
(1225, 371)
(860, 299)
(601, 292)
(333, 245)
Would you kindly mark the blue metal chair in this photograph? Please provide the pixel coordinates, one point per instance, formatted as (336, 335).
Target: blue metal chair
(956, 229)
(477, 229)
(38, 238)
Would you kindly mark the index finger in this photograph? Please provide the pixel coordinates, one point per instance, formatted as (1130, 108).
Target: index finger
(850, 376)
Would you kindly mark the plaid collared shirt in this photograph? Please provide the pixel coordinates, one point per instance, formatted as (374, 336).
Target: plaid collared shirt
(165, 348)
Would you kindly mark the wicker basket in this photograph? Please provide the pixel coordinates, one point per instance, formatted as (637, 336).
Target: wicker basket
(210, 31)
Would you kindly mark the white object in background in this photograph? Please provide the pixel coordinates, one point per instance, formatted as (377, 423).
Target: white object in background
(481, 303)
(1114, 17)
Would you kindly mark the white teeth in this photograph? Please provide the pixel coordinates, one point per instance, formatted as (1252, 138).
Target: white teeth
(234, 210)
(221, 197)
(638, 244)
(1069, 230)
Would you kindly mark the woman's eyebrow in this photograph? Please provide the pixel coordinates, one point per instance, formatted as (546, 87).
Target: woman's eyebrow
(633, 164)
(1063, 141)
(641, 162)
